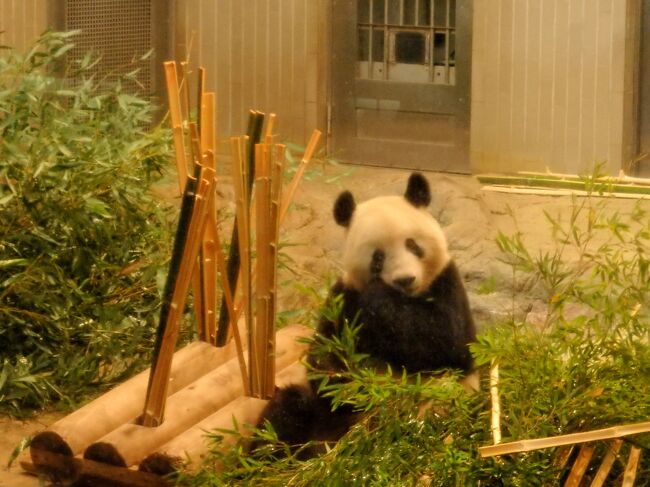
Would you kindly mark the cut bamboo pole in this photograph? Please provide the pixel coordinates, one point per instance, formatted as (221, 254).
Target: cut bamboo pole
(293, 185)
(208, 245)
(262, 295)
(157, 391)
(238, 149)
(608, 461)
(276, 174)
(632, 466)
(255, 122)
(570, 439)
(533, 181)
(579, 466)
(496, 406)
(197, 401)
(117, 406)
(173, 96)
(270, 125)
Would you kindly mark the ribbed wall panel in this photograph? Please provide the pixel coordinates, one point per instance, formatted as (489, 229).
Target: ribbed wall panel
(266, 55)
(550, 84)
(22, 22)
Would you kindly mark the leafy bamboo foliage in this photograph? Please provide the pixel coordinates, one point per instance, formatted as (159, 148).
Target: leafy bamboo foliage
(81, 237)
(586, 366)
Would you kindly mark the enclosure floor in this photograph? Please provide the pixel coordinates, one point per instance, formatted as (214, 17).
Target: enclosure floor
(470, 217)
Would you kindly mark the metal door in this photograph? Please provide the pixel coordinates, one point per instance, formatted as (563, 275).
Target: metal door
(401, 83)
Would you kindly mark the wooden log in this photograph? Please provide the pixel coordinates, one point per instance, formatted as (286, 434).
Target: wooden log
(121, 404)
(239, 415)
(570, 439)
(79, 471)
(195, 402)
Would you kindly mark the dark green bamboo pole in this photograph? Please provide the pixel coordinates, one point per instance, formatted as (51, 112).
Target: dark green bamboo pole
(254, 132)
(180, 239)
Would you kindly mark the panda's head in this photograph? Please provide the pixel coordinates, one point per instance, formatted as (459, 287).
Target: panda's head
(393, 238)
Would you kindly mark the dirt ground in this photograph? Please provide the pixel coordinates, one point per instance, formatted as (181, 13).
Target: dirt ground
(470, 216)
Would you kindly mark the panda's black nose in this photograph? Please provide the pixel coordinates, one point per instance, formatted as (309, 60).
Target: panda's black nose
(404, 282)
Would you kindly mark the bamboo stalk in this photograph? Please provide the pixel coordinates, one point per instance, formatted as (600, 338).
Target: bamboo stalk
(262, 241)
(158, 384)
(570, 439)
(496, 406)
(534, 181)
(579, 466)
(632, 466)
(606, 466)
(173, 96)
(208, 246)
(274, 226)
(200, 91)
(243, 239)
(255, 121)
(293, 185)
(270, 125)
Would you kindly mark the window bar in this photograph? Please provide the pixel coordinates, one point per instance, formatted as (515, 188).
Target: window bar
(447, 31)
(401, 12)
(417, 12)
(432, 33)
(385, 45)
(371, 39)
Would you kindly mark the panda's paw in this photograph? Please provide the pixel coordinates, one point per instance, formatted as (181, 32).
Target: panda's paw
(291, 412)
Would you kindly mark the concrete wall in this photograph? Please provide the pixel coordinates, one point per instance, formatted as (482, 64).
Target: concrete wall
(553, 84)
(268, 55)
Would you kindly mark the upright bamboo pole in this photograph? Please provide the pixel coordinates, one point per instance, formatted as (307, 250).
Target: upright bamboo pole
(238, 150)
(255, 122)
(169, 325)
(208, 246)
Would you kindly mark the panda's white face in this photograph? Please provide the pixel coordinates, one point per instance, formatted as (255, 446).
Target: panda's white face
(390, 238)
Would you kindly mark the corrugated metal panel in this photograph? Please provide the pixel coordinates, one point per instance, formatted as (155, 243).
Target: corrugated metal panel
(549, 84)
(22, 21)
(259, 54)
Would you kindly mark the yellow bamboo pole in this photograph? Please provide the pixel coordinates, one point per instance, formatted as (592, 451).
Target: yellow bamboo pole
(632, 466)
(293, 185)
(579, 466)
(606, 466)
(496, 405)
(173, 96)
(239, 160)
(570, 439)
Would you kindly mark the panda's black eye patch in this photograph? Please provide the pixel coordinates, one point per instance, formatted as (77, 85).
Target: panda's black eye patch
(414, 248)
(377, 262)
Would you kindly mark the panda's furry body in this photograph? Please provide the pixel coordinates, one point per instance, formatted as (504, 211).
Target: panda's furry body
(401, 285)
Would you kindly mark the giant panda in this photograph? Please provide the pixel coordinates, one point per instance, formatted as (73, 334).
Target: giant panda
(401, 284)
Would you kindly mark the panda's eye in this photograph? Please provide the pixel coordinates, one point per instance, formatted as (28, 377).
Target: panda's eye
(414, 248)
(377, 262)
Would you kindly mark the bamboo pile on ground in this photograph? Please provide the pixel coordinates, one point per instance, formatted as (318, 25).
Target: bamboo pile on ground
(200, 387)
(582, 457)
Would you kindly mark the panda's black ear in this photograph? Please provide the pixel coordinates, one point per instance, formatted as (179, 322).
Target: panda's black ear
(417, 190)
(344, 208)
